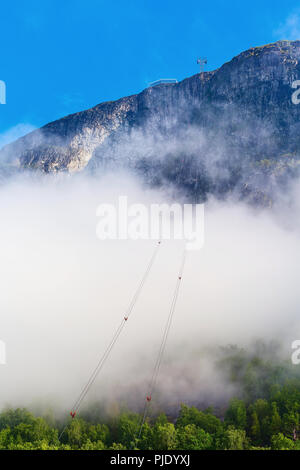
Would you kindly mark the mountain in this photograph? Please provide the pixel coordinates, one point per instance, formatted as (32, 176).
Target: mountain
(234, 129)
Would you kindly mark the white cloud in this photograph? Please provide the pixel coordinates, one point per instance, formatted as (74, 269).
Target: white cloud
(63, 292)
(290, 28)
(14, 133)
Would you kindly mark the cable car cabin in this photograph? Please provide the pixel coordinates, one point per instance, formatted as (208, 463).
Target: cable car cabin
(163, 81)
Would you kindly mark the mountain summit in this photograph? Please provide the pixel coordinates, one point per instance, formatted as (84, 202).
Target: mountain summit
(235, 127)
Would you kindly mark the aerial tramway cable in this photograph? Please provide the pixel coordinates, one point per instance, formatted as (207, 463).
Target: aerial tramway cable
(113, 341)
(162, 348)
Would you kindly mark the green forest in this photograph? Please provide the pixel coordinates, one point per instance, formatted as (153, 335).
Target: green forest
(264, 416)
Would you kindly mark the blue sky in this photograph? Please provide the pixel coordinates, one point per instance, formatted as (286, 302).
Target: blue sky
(62, 56)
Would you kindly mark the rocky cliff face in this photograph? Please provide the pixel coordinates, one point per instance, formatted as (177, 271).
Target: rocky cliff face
(235, 127)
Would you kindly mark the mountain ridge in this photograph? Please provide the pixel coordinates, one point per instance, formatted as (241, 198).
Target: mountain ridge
(203, 134)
